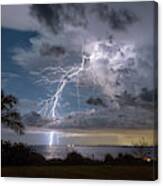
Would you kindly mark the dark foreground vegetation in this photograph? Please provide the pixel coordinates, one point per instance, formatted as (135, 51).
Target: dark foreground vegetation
(19, 161)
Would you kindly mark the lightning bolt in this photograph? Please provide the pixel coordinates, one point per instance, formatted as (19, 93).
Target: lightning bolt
(51, 138)
(88, 63)
(50, 105)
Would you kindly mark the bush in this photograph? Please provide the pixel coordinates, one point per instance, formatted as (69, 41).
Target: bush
(108, 159)
(19, 154)
(74, 157)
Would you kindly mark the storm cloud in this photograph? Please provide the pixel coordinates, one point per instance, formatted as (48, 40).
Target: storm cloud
(116, 39)
(56, 16)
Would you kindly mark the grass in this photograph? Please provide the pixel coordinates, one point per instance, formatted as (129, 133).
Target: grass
(144, 172)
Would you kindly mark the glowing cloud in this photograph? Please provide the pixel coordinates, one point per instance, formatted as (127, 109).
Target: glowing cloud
(105, 63)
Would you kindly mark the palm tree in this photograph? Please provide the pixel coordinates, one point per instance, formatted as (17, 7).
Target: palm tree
(9, 116)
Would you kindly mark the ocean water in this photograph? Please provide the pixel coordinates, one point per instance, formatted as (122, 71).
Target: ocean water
(93, 152)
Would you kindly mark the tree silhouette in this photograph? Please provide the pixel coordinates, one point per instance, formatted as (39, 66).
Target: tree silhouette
(108, 158)
(9, 116)
(142, 150)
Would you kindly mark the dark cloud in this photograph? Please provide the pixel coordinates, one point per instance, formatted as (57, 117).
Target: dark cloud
(34, 119)
(118, 19)
(96, 101)
(147, 95)
(47, 50)
(127, 117)
(47, 15)
(56, 15)
(126, 98)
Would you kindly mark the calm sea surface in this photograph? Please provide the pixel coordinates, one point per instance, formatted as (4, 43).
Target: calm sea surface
(95, 152)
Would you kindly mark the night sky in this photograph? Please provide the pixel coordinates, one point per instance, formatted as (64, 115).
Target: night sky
(78, 69)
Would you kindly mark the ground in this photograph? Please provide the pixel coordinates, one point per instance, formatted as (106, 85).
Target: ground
(144, 172)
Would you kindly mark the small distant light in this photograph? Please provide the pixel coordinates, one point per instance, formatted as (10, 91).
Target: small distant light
(148, 160)
(70, 145)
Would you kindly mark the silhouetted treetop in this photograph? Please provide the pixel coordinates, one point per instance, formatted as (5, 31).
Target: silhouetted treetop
(9, 116)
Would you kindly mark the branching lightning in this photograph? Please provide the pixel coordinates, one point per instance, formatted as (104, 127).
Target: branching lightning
(50, 105)
(115, 57)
